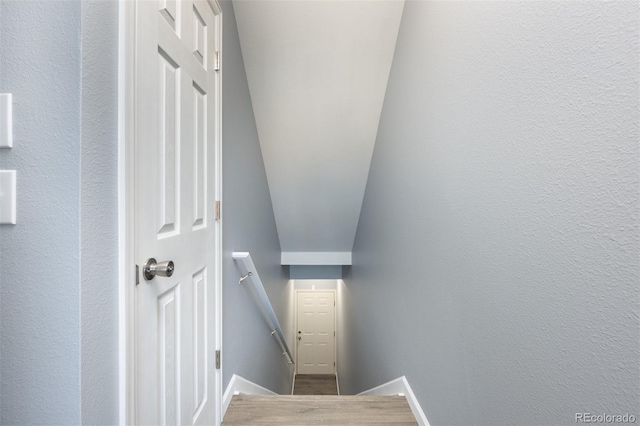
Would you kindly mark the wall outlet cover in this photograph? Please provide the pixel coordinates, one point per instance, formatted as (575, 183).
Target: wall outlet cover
(6, 120)
(8, 197)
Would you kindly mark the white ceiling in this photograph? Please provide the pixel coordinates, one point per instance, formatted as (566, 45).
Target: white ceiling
(317, 73)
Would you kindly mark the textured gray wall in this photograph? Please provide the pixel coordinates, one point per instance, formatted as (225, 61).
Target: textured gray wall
(496, 259)
(249, 225)
(40, 256)
(58, 265)
(98, 214)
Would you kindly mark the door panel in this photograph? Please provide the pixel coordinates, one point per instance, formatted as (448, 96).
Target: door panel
(199, 158)
(316, 332)
(177, 116)
(168, 144)
(169, 355)
(201, 360)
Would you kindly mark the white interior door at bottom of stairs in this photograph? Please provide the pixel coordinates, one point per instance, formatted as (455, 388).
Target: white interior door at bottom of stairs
(176, 137)
(316, 332)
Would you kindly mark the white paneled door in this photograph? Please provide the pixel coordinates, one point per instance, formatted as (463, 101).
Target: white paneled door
(177, 110)
(316, 332)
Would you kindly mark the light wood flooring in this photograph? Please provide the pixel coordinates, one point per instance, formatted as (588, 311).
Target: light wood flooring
(315, 384)
(318, 409)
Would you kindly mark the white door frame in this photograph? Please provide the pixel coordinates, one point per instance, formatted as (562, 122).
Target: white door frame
(295, 324)
(126, 213)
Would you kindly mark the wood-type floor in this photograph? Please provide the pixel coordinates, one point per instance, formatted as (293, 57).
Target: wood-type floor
(302, 410)
(315, 384)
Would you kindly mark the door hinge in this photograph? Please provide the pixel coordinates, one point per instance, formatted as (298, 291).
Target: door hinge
(137, 275)
(218, 359)
(216, 62)
(217, 212)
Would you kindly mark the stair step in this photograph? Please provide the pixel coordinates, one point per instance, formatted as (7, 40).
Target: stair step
(318, 409)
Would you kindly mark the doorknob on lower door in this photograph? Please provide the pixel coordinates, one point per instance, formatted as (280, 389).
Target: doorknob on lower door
(163, 269)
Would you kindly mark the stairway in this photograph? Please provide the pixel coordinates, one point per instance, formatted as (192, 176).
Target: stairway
(315, 409)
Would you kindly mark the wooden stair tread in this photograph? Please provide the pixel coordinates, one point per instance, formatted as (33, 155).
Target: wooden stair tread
(318, 409)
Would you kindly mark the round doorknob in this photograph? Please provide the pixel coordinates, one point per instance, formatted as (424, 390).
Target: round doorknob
(152, 268)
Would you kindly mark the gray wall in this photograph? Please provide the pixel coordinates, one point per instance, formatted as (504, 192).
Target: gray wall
(496, 259)
(39, 257)
(58, 329)
(315, 272)
(249, 225)
(98, 214)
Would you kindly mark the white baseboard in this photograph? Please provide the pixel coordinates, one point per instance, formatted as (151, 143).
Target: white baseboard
(400, 386)
(238, 385)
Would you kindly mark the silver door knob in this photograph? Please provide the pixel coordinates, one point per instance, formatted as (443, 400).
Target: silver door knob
(163, 269)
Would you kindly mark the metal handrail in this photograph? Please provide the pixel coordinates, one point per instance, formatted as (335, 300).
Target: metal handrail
(249, 273)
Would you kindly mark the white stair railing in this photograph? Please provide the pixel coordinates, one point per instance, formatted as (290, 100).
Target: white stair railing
(249, 275)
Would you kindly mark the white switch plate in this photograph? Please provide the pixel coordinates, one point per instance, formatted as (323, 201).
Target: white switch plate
(6, 120)
(8, 197)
